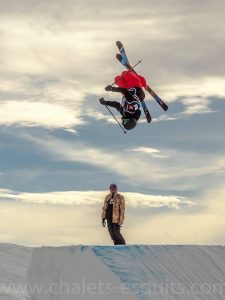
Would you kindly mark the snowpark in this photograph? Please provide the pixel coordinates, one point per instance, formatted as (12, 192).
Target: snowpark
(119, 272)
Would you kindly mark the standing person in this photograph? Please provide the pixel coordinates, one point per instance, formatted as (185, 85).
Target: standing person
(113, 212)
(131, 86)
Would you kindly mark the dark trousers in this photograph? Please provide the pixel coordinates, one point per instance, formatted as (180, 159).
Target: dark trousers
(115, 234)
(129, 97)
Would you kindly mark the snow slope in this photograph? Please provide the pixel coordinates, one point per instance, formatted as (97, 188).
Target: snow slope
(73, 273)
(14, 263)
(112, 272)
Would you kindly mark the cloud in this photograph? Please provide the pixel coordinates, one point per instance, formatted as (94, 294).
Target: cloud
(78, 152)
(196, 106)
(70, 50)
(73, 131)
(164, 118)
(146, 150)
(177, 173)
(150, 151)
(191, 106)
(206, 225)
(48, 115)
(93, 198)
(98, 115)
(201, 224)
(142, 200)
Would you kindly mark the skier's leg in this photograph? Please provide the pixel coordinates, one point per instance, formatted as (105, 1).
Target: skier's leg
(119, 240)
(140, 93)
(111, 229)
(127, 94)
(124, 91)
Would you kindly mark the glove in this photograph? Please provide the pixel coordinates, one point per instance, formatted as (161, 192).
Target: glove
(102, 101)
(108, 88)
(103, 222)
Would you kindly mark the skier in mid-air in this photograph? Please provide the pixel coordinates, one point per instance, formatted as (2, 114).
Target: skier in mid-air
(131, 86)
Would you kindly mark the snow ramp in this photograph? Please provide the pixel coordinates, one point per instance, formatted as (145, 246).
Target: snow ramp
(114, 272)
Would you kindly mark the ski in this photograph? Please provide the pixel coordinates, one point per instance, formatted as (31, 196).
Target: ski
(157, 98)
(122, 57)
(123, 54)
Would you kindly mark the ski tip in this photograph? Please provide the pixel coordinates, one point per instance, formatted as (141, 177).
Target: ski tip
(119, 44)
(165, 107)
(149, 120)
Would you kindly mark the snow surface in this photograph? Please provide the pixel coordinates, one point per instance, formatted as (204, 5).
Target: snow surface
(14, 263)
(112, 272)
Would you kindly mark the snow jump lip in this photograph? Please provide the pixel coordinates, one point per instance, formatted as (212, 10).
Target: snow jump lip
(116, 272)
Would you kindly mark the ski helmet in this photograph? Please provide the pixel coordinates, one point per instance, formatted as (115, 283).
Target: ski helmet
(129, 124)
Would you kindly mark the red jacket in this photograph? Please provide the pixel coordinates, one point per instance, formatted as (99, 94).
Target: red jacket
(130, 80)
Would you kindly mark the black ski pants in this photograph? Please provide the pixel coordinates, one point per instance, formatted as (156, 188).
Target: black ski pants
(115, 234)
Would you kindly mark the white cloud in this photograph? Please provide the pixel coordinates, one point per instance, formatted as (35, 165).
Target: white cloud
(73, 131)
(204, 226)
(44, 114)
(177, 173)
(146, 150)
(73, 44)
(118, 162)
(194, 105)
(20, 221)
(99, 115)
(149, 151)
(92, 198)
(139, 200)
(164, 118)
(199, 89)
(5, 191)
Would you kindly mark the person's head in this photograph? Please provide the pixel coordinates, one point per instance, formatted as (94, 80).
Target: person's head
(113, 188)
(129, 123)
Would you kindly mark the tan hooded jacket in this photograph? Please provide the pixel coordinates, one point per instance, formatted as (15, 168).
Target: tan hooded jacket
(118, 208)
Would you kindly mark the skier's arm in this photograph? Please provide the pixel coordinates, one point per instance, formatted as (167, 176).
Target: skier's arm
(122, 211)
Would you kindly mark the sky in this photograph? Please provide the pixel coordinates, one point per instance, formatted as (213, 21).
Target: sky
(60, 149)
